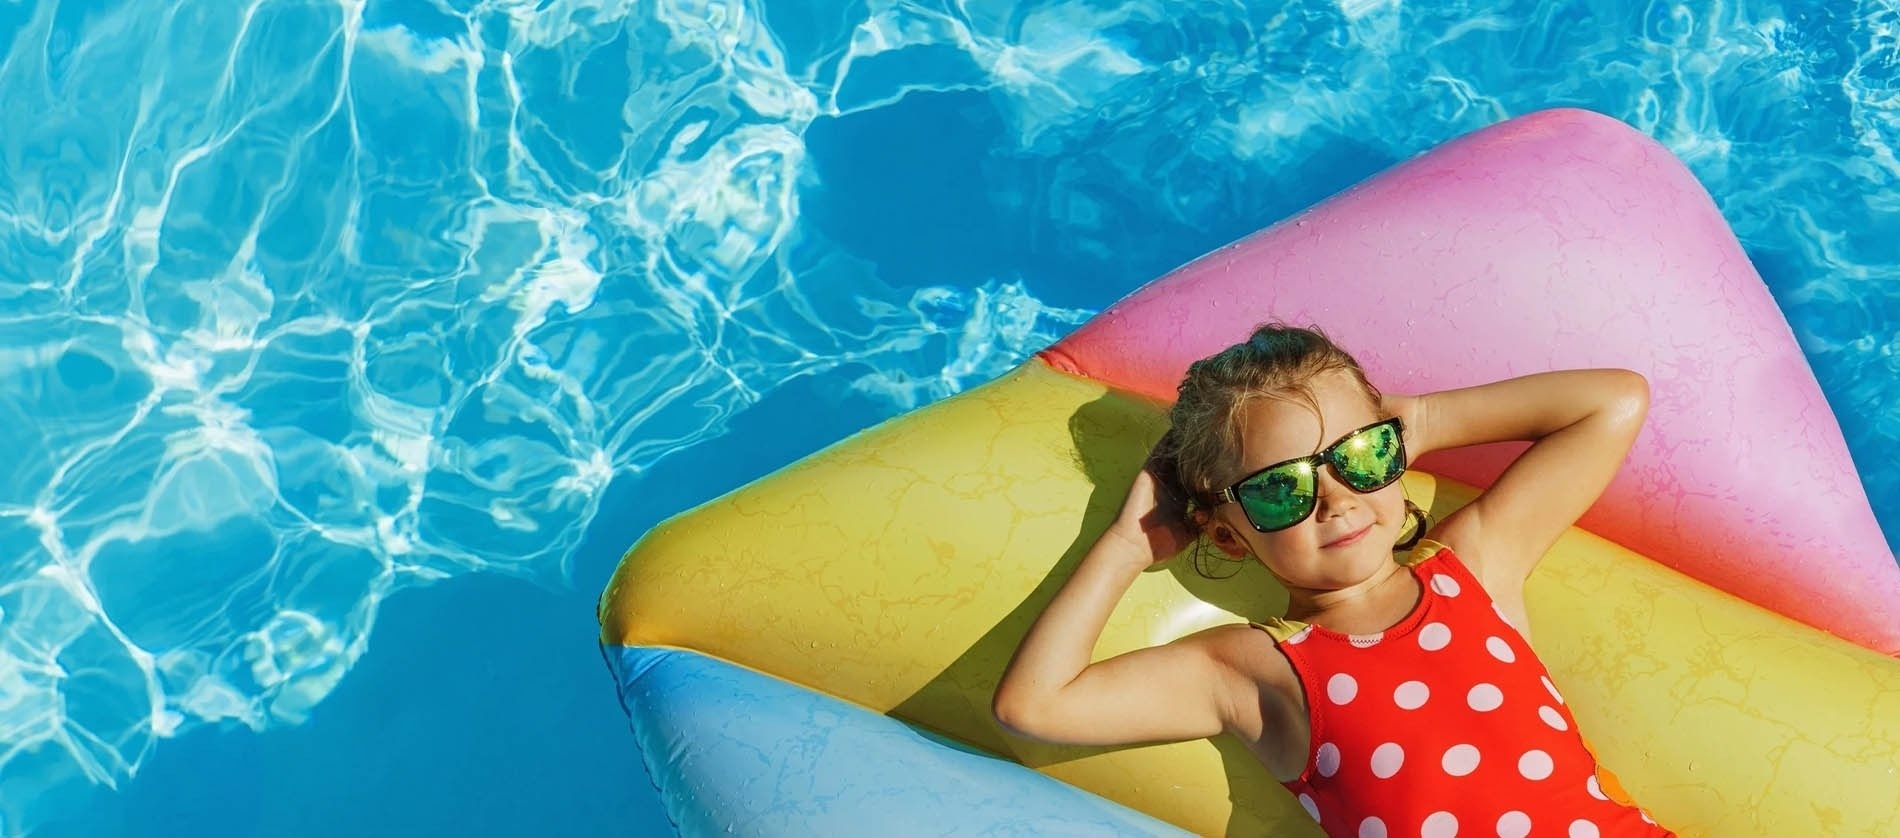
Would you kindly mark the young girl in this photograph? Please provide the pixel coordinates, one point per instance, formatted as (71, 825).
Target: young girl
(1394, 697)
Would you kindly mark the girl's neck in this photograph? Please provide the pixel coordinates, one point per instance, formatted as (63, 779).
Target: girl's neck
(1371, 606)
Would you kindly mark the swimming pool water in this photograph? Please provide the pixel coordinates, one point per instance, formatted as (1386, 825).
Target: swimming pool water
(307, 307)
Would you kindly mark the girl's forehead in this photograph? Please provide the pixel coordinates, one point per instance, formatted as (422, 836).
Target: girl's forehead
(1281, 428)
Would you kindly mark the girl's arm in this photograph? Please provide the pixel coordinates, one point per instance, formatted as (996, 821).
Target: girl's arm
(1581, 424)
(1166, 693)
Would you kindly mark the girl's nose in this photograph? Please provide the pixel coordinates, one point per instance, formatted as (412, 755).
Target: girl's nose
(1331, 496)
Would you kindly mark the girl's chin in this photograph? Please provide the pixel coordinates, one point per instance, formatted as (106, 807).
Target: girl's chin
(1337, 570)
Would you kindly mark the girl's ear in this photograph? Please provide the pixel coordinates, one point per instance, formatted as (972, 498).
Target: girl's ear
(1223, 536)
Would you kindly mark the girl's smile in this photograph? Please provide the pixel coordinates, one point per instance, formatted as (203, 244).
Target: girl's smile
(1348, 539)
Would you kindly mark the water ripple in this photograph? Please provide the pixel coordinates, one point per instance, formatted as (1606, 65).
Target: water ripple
(328, 301)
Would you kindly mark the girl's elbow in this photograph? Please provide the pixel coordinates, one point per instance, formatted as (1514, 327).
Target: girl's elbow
(1031, 715)
(1629, 398)
(1623, 398)
(1012, 713)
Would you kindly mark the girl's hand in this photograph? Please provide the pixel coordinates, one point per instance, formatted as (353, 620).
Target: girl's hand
(1150, 521)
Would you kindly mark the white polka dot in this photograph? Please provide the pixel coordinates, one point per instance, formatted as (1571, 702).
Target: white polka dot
(1514, 825)
(1461, 760)
(1596, 788)
(1444, 585)
(1552, 687)
(1311, 808)
(1411, 695)
(1503, 616)
(1299, 636)
(1646, 819)
(1365, 641)
(1552, 717)
(1372, 828)
(1534, 765)
(1386, 760)
(1484, 698)
(1440, 825)
(1500, 649)
(1341, 688)
(1583, 829)
(1434, 636)
(1327, 760)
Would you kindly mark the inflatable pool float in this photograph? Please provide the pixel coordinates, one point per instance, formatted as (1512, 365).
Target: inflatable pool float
(815, 653)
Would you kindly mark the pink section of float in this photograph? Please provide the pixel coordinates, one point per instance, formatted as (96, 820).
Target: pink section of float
(1615, 257)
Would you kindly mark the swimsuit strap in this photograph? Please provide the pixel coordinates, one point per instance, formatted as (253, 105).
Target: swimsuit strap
(1426, 549)
(1280, 629)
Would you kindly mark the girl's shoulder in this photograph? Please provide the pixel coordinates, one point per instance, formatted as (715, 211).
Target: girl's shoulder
(1264, 700)
(1469, 555)
(1448, 571)
(1432, 556)
(1251, 651)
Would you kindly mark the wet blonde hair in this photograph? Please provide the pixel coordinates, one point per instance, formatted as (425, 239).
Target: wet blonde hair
(1200, 452)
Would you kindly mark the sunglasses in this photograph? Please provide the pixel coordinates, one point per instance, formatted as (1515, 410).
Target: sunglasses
(1285, 493)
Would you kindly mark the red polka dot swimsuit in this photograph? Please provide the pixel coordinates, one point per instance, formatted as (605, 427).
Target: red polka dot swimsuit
(1444, 724)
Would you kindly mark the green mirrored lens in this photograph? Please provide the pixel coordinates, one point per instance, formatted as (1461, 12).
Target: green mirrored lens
(1370, 458)
(1281, 497)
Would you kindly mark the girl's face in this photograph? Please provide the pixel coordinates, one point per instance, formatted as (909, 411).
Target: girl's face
(1348, 539)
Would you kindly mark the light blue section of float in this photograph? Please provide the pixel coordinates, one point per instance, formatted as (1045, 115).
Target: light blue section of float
(733, 751)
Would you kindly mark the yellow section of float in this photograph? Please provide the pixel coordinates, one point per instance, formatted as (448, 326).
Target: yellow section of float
(899, 568)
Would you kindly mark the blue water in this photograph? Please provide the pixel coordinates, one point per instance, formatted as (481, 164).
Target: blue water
(345, 344)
